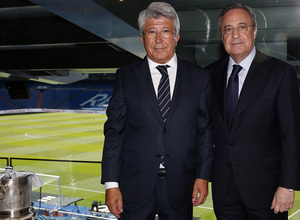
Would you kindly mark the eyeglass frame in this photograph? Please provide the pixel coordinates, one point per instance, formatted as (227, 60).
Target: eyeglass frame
(237, 28)
(160, 33)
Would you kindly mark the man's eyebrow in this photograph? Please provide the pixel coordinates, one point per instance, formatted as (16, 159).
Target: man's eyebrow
(228, 25)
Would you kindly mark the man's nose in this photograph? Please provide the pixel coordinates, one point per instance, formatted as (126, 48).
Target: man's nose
(235, 33)
(158, 37)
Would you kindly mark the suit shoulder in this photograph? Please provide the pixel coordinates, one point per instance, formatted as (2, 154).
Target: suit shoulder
(217, 66)
(272, 62)
(217, 63)
(131, 66)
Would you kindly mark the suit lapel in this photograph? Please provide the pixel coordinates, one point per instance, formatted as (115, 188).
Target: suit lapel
(252, 85)
(181, 78)
(143, 74)
(220, 81)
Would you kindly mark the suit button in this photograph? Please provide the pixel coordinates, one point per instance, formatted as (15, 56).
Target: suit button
(228, 164)
(230, 144)
(165, 131)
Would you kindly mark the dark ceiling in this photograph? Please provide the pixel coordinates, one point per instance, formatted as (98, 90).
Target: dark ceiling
(36, 42)
(62, 41)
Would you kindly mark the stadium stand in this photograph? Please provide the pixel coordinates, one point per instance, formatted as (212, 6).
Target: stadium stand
(88, 94)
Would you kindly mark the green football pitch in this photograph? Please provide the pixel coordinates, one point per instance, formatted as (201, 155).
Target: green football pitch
(69, 145)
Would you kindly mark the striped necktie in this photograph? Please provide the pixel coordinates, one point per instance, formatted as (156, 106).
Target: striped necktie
(164, 97)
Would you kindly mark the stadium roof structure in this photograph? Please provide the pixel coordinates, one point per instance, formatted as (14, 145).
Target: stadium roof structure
(63, 41)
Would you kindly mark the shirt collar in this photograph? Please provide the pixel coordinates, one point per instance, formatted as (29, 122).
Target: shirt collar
(172, 63)
(246, 63)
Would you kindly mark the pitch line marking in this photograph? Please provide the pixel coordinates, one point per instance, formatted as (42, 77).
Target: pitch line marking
(82, 189)
(294, 213)
(203, 207)
(37, 136)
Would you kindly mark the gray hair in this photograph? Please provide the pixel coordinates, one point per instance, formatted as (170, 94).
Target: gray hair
(238, 6)
(156, 10)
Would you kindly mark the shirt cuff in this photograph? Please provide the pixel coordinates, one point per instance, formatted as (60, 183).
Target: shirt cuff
(109, 185)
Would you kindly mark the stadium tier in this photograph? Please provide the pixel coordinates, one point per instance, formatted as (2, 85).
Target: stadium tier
(82, 95)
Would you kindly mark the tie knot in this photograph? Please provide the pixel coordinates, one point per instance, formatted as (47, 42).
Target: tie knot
(236, 69)
(163, 69)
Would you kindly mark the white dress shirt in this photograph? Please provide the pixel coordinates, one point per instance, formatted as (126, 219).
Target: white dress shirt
(156, 75)
(246, 63)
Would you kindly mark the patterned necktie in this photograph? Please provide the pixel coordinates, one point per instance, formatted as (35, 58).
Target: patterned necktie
(232, 92)
(164, 97)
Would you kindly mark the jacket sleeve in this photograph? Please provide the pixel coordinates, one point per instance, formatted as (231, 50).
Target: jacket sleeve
(204, 140)
(288, 107)
(114, 129)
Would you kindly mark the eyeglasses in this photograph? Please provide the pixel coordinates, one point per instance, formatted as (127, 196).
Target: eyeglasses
(164, 34)
(242, 28)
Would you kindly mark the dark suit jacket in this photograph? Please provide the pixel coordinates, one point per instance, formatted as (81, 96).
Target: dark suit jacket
(135, 134)
(262, 144)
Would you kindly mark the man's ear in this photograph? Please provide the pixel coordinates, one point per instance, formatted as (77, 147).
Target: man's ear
(177, 39)
(255, 32)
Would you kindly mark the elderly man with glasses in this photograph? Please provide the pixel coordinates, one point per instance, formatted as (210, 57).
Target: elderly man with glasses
(157, 155)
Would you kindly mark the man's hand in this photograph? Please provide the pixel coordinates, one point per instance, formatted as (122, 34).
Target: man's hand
(200, 192)
(283, 200)
(114, 201)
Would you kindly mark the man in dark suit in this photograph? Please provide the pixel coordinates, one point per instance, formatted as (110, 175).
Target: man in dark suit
(158, 160)
(255, 119)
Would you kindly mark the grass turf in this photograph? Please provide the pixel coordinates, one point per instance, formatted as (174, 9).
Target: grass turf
(73, 137)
